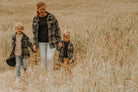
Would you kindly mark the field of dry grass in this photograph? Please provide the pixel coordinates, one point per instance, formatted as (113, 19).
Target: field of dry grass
(105, 36)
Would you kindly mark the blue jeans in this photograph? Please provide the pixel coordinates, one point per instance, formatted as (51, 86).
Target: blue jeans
(20, 61)
(46, 54)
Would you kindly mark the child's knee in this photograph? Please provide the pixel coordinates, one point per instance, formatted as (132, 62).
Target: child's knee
(18, 65)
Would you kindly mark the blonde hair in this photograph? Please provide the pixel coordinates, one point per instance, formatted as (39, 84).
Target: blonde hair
(38, 5)
(67, 33)
(19, 24)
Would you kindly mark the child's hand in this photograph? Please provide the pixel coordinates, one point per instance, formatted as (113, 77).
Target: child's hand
(60, 44)
(34, 48)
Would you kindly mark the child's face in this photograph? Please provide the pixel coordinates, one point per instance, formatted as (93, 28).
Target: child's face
(19, 29)
(66, 38)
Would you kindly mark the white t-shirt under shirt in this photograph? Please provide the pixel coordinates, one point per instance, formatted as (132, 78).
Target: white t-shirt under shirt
(18, 48)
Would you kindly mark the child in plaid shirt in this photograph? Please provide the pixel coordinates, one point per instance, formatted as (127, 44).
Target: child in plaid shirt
(20, 44)
(66, 51)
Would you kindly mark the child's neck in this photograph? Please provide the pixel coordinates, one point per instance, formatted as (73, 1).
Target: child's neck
(66, 41)
(19, 34)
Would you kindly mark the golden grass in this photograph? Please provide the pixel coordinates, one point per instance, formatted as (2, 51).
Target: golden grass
(105, 37)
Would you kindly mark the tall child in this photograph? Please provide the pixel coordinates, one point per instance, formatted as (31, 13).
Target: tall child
(20, 43)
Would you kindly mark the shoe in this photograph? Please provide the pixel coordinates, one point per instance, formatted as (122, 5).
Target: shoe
(24, 74)
(17, 80)
(48, 73)
(46, 79)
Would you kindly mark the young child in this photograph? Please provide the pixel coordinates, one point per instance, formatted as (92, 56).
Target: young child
(20, 43)
(66, 51)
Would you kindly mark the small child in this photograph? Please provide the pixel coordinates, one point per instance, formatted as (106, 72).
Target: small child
(66, 51)
(20, 43)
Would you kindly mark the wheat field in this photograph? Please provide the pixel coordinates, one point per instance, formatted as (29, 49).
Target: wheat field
(105, 37)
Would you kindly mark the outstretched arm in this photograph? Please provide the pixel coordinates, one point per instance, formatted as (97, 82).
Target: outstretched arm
(30, 44)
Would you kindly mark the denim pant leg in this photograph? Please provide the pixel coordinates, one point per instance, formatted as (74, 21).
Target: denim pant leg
(43, 54)
(24, 64)
(50, 55)
(18, 65)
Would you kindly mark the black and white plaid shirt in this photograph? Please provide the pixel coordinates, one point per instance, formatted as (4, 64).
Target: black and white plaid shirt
(25, 43)
(70, 50)
(54, 34)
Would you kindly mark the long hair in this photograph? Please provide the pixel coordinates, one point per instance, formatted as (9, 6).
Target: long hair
(38, 5)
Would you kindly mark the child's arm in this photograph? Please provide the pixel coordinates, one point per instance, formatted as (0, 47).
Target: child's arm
(59, 46)
(13, 45)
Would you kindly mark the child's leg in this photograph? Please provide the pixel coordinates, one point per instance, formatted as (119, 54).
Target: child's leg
(69, 68)
(66, 66)
(18, 66)
(24, 64)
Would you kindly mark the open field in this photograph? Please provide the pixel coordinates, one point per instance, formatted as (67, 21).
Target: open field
(105, 36)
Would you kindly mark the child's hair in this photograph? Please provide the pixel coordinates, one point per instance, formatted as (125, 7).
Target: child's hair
(38, 5)
(67, 33)
(19, 24)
